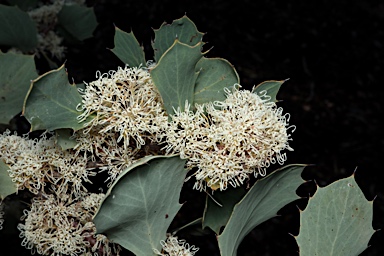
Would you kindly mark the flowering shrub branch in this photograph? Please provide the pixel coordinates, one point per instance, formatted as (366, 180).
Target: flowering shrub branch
(150, 126)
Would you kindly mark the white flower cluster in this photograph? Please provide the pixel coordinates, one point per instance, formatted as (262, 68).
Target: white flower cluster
(35, 163)
(227, 141)
(59, 224)
(59, 221)
(45, 17)
(126, 115)
(174, 247)
(125, 102)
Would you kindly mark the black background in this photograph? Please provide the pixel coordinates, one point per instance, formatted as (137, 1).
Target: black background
(332, 53)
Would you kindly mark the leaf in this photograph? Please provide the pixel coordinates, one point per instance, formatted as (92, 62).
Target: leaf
(17, 29)
(271, 87)
(175, 76)
(7, 186)
(128, 49)
(262, 202)
(51, 102)
(16, 73)
(24, 5)
(182, 29)
(216, 216)
(214, 75)
(77, 21)
(141, 204)
(337, 221)
(63, 138)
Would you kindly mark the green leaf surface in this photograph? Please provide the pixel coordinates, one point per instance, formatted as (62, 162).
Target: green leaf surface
(63, 138)
(337, 221)
(7, 186)
(51, 102)
(142, 203)
(78, 21)
(175, 75)
(262, 202)
(24, 5)
(182, 29)
(216, 216)
(214, 75)
(271, 87)
(128, 49)
(16, 73)
(17, 29)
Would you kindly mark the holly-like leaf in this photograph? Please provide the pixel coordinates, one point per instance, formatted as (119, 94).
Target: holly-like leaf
(175, 75)
(182, 29)
(337, 221)
(141, 204)
(77, 21)
(51, 102)
(7, 186)
(271, 87)
(17, 29)
(262, 202)
(217, 216)
(63, 138)
(16, 73)
(215, 74)
(128, 49)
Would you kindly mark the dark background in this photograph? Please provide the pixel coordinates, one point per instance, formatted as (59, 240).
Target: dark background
(332, 53)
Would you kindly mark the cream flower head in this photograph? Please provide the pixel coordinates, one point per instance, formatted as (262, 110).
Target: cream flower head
(229, 140)
(59, 224)
(33, 163)
(125, 102)
(174, 247)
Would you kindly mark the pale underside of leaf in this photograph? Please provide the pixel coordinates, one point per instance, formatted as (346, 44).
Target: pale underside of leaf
(141, 204)
(336, 221)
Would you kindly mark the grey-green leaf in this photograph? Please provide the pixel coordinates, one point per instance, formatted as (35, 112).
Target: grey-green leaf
(16, 73)
(182, 29)
(175, 75)
(17, 29)
(78, 21)
(128, 49)
(217, 216)
(337, 221)
(262, 202)
(24, 5)
(63, 138)
(142, 203)
(7, 186)
(51, 102)
(215, 74)
(271, 87)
